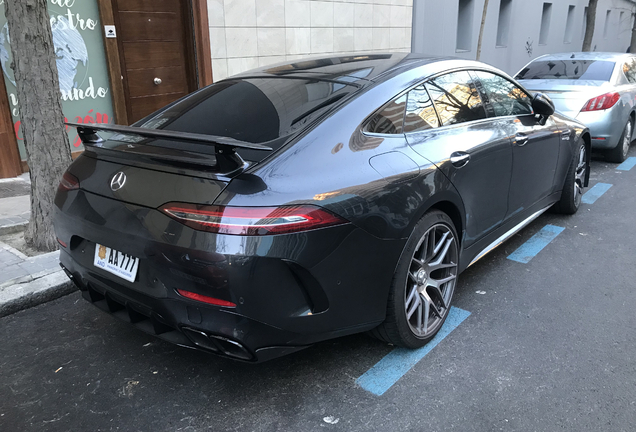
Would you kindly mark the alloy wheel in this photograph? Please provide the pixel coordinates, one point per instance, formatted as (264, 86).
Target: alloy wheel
(627, 138)
(579, 176)
(431, 280)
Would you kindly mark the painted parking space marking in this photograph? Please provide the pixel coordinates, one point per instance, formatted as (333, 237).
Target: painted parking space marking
(629, 163)
(595, 193)
(535, 244)
(398, 362)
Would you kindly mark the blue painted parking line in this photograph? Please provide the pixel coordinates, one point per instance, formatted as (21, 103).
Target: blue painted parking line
(535, 244)
(398, 362)
(629, 163)
(595, 193)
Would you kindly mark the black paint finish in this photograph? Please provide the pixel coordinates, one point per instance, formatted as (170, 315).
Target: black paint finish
(293, 290)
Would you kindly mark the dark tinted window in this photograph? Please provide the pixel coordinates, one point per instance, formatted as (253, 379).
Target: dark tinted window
(389, 120)
(505, 97)
(420, 113)
(592, 70)
(254, 110)
(629, 69)
(456, 98)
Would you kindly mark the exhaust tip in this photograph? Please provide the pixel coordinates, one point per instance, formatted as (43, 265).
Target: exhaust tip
(217, 344)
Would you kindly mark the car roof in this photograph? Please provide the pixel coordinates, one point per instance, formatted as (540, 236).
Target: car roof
(363, 69)
(608, 56)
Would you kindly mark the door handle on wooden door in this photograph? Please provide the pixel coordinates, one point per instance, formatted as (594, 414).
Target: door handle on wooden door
(459, 159)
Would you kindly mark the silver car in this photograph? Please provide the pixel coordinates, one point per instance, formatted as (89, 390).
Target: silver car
(598, 89)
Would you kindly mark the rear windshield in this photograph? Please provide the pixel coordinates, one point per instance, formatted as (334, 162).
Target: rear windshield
(587, 70)
(256, 110)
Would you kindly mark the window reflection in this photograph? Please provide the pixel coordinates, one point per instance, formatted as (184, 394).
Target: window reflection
(629, 68)
(390, 119)
(420, 114)
(568, 69)
(254, 109)
(456, 98)
(505, 97)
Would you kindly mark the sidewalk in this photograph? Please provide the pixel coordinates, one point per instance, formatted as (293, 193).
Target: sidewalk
(24, 281)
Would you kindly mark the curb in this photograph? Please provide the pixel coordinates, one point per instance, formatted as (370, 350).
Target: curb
(13, 228)
(22, 296)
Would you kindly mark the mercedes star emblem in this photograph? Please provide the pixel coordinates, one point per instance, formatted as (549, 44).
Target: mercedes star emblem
(118, 181)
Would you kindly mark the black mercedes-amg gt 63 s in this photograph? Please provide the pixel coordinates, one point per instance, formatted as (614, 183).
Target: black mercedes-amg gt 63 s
(311, 200)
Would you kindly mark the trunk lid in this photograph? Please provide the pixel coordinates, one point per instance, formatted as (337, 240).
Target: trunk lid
(152, 176)
(569, 96)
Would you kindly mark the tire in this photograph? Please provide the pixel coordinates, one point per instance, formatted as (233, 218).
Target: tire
(619, 153)
(574, 182)
(423, 284)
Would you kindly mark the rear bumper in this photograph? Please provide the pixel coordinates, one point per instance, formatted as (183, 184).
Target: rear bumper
(290, 290)
(181, 322)
(606, 127)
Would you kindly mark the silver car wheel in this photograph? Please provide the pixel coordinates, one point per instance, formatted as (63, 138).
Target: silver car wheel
(627, 137)
(431, 280)
(579, 176)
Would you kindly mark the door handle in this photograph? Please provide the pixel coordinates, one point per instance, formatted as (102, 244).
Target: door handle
(157, 81)
(459, 159)
(521, 140)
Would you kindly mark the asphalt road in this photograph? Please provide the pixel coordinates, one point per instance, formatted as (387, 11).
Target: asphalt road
(549, 345)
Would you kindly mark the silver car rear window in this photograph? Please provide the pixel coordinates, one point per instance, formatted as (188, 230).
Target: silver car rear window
(586, 70)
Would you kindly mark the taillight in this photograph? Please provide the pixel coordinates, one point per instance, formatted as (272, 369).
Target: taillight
(251, 221)
(601, 102)
(68, 182)
(205, 299)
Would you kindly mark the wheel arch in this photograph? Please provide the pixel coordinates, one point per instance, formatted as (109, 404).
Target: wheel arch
(453, 213)
(587, 139)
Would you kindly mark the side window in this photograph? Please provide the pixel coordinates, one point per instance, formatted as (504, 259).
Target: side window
(390, 119)
(456, 98)
(420, 113)
(505, 97)
(629, 68)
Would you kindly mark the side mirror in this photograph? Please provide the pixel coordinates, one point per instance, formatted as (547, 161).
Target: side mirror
(542, 105)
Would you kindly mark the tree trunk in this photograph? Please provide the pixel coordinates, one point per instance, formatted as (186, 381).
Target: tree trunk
(589, 26)
(481, 29)
(38, 90)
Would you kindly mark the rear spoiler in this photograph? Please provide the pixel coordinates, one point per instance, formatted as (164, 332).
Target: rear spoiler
(88, 134)
(227, 159)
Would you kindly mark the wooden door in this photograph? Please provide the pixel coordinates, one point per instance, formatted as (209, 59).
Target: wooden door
(156, 47)
(10, 165)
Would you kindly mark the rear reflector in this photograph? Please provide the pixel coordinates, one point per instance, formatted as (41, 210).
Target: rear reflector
(601, 102)
(205, 299)
(62, 243)
(68, 182)
(251, 221)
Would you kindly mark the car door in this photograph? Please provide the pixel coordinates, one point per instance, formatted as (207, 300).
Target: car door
(446, 123)
(535, 146)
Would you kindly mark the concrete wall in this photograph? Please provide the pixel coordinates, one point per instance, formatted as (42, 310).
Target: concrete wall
(435, 29)
(245, 34)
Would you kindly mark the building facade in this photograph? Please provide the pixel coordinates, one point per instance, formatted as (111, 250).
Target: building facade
(517, 31)
(120, 60)
(245, 34)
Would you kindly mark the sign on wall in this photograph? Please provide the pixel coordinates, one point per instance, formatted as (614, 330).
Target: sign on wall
(81, 65)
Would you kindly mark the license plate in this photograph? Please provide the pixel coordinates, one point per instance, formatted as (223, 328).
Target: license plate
(116, 262)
